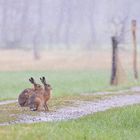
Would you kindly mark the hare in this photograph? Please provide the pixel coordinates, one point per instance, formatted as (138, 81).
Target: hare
(39, 100)
(23, 98)
(47, 92)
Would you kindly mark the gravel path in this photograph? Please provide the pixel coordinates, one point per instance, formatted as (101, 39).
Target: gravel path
(7, 102)
(79, 109)
(132, 89)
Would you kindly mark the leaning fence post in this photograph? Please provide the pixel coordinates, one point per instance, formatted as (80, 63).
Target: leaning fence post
(135, 69)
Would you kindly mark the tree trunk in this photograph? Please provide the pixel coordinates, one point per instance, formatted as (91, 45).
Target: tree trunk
(114, 78)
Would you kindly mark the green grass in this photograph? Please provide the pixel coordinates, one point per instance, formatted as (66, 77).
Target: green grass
(63, 82)
(114, 124)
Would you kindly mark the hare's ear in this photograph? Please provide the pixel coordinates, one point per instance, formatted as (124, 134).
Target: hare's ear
(41, 79)
(44, 79)
(32, 80)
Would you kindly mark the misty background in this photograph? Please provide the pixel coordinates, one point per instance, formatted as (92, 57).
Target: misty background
(64, 23)
(32, 29)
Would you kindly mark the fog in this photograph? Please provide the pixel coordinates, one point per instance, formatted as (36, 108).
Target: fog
(53, 23)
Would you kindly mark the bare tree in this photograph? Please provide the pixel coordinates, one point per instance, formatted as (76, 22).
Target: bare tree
(9, 25)
(15, 17)
(117, 38)
(24, 19)
(60, 21)
(37, 36)
(114, 75)
(4, 21)
(68, 23)
(90, 19)
(64, 20)
(119, 28)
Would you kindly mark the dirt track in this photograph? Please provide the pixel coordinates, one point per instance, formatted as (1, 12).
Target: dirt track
(7, 102)
(80, 108)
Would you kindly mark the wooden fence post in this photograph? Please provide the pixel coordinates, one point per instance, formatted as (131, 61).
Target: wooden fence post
(135, 69)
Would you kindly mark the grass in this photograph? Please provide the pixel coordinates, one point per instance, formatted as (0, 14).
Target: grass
(64, 83)
(114, 124)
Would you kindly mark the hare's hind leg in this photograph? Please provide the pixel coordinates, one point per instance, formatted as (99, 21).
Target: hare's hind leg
(36, 105)
(40, 105)
(46, 107)
(33, 109)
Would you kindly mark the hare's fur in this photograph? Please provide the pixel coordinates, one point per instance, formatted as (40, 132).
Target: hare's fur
(24, 96)
(38, 100)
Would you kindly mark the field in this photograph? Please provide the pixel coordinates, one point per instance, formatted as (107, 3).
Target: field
(19, 60)
(70, 74)
(64, 82)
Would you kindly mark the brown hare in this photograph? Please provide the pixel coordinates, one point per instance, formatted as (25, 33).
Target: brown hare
(47, 92)
(38, 101)
(23, 98)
